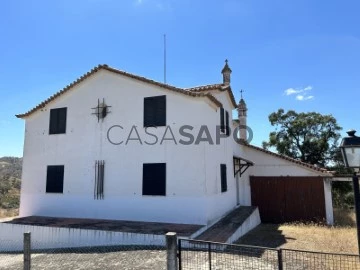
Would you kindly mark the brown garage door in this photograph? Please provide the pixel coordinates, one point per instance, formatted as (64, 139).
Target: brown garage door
(286, 199)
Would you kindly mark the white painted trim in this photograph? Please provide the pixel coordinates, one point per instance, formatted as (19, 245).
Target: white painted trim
(250, 223)
(341, 179)
(328, 202)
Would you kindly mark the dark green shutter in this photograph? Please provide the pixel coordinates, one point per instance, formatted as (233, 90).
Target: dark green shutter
(160, 111)
(53, 122)
(149, 112)
(62, 120)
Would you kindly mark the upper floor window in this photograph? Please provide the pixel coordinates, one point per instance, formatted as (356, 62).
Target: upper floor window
(227, 126)
(224, 121)
(155, 111)
(57, 121)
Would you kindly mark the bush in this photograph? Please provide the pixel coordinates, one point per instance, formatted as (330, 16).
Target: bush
(343, 195)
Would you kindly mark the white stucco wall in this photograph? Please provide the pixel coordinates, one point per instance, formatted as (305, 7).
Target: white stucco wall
(269, 165)
(193, 171)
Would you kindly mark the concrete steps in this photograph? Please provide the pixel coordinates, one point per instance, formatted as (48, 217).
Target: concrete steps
(232, 226)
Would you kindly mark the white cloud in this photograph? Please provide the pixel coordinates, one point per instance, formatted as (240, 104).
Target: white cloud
(153, 4)
(301, 93)
(304, 97)
(291, 91)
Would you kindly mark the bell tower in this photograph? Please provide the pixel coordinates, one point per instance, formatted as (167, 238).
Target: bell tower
(242, 114)
(226, 72)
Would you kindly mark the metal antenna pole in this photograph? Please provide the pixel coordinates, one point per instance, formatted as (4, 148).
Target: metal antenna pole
(165, 58)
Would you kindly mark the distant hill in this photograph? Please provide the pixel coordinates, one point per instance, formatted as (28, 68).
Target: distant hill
(10, 182)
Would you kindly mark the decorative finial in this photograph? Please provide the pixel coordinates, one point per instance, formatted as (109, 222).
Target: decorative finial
(351, 132)
(242, 104)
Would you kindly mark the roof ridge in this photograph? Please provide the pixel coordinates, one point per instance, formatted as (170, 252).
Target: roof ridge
(210, 87)
(194, 88)
(121, 72)
(313, 167)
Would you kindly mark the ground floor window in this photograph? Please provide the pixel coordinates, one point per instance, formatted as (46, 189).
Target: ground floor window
(154, 179)
(223, 177)
(55, 179)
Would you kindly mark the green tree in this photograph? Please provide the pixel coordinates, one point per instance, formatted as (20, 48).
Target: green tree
(309, 137)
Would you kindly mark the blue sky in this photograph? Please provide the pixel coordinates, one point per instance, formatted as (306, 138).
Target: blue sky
(307, 49)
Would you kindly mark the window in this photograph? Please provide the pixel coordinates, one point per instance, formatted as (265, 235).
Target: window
(223, 177)
(55, 179)
(227, 127)
(57, 121)
(155, 111)
(154, 179)
(224, 121)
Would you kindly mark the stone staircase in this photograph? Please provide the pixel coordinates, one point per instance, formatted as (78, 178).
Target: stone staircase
(232, 226)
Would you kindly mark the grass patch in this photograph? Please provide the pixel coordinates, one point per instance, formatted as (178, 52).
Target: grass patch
(311, 237)
(320, 238)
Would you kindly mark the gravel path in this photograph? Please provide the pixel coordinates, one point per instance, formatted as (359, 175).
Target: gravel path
(127, 260)
(131, 260)
(142, 259)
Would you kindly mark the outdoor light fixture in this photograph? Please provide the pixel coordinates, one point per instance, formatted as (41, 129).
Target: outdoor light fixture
(350, 150)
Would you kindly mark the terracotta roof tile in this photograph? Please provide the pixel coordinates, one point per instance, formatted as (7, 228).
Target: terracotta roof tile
(117, 71)
(318, 169)
(205, 87)
(212, 87)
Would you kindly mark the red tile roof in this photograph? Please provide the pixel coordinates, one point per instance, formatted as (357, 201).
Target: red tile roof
(117, 71)
(212, 87)
(298, 162)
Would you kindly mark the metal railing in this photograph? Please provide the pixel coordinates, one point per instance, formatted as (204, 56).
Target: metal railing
(174, 254)
(199, 255)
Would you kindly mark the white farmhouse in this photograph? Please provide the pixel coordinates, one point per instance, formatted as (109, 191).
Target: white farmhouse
(113, 145)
